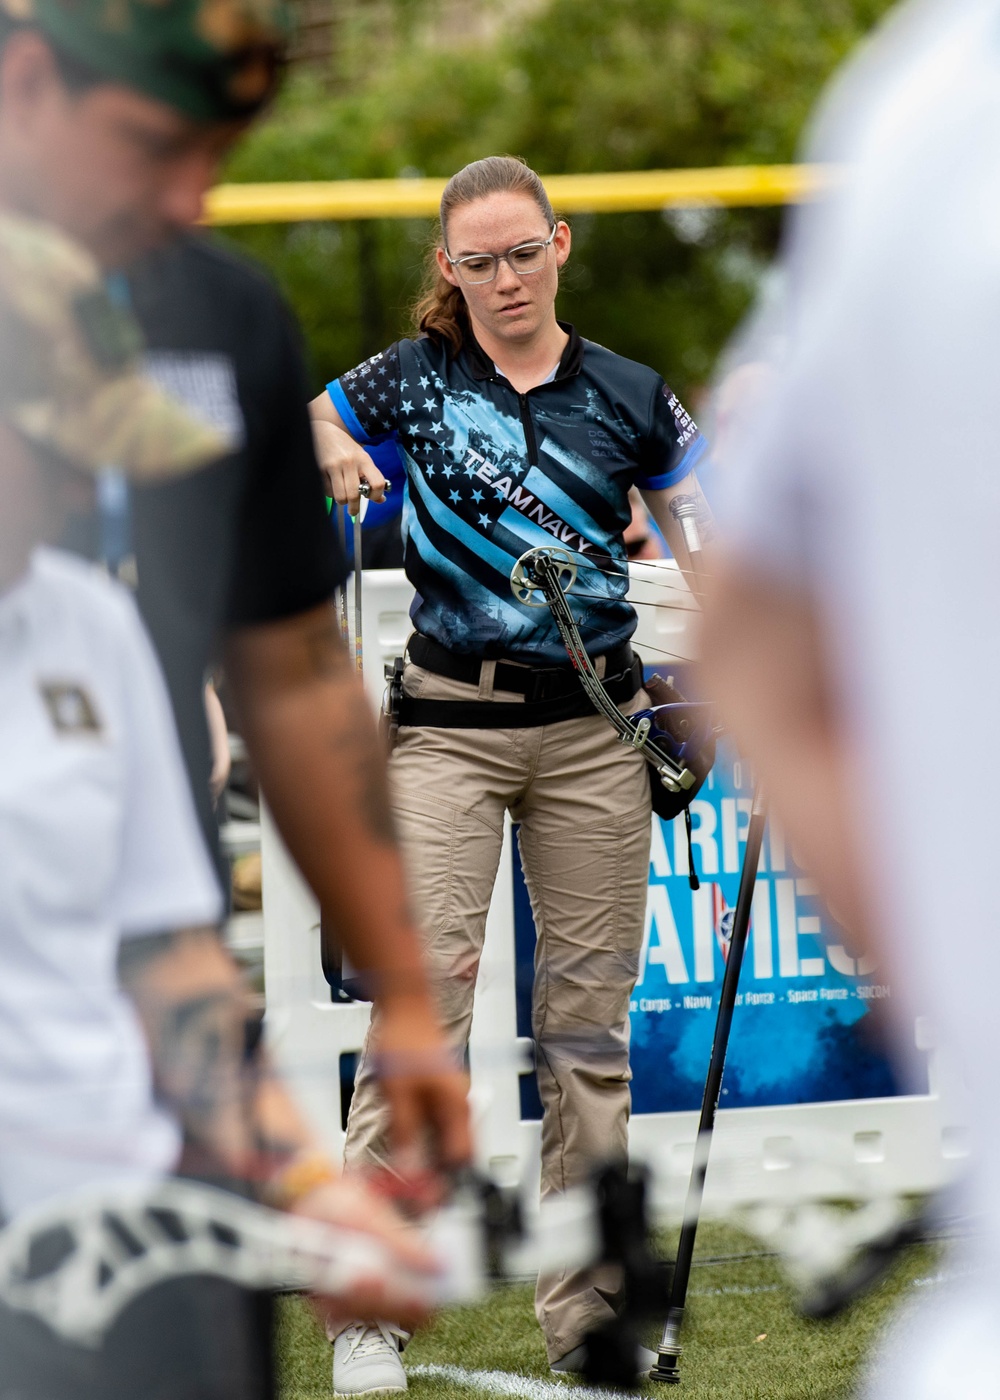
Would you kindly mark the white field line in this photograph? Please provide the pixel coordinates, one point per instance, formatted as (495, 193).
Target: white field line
(945, 1276)
(734, 1290)
(506, 1383)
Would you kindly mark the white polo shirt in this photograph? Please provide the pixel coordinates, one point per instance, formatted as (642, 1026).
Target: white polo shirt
(98, 842)
(873, 484)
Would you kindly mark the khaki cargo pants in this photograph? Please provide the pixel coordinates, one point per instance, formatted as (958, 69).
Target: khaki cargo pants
(582, 801)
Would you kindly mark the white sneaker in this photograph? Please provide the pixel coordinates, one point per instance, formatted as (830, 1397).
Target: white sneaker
(366, 1358)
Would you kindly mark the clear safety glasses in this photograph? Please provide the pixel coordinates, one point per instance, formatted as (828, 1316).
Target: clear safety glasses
(483, 267)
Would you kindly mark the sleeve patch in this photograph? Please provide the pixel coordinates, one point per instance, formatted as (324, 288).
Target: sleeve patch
(687, 428)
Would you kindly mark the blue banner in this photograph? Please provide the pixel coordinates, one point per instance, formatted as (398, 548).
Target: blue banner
(802, 1028)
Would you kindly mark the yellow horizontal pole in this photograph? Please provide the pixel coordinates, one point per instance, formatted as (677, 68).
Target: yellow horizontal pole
(295, 201)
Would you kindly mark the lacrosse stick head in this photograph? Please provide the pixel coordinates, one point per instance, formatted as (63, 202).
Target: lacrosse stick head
(835, 1225)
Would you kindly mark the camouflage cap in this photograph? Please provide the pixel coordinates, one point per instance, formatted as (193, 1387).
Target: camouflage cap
(209, 59)
(69, 370)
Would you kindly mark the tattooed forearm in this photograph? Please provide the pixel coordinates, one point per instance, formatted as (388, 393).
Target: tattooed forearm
(310, 731)
(354, 739)
(191, 1000)
(136, 954)
(204, 1076)
(353, 735)
(209, 1063)
(201, 1068)
(324, 649)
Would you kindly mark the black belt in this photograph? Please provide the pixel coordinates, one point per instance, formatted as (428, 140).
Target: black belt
(551, 693)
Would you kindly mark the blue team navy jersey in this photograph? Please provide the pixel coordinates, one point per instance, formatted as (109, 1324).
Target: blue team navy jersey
(492, 473)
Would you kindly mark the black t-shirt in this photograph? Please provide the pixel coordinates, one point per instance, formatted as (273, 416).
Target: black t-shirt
(247, 539)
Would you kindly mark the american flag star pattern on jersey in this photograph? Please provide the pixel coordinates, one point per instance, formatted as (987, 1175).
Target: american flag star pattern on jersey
(492, 473)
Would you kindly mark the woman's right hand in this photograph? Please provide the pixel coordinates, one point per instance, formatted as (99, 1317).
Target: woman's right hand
(344, 465)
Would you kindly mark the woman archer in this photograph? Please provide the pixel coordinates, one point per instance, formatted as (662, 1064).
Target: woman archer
(517, 432)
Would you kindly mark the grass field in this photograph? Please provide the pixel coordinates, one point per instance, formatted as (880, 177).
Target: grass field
(743, 1339)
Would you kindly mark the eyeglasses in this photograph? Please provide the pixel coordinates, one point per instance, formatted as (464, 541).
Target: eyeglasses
(483, 267)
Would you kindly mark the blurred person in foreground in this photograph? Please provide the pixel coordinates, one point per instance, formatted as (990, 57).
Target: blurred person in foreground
(104, 875)
(852, 632)
(113, 123)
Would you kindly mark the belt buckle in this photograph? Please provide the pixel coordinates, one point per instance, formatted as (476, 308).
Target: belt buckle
(548, 684)
(537, 688)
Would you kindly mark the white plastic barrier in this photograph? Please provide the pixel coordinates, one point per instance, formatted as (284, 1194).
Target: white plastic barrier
(307, 1033)
(901, 1144)
(386, 596)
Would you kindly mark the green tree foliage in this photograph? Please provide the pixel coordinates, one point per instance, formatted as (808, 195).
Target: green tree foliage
(570, 85)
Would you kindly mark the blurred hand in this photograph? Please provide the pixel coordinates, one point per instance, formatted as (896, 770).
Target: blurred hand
(343, 464)
(424, 1087)
(401, 1291)
(219, 736)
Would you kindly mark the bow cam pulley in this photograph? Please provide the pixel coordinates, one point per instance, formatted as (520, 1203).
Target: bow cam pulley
(524, 580)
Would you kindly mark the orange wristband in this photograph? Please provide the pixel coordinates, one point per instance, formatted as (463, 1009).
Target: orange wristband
(304, 1173)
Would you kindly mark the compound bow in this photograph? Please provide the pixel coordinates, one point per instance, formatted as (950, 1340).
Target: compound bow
(668, 736)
